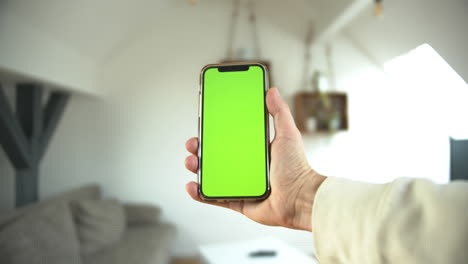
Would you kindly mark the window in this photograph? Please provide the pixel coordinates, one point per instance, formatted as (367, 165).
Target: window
(443, 94)
(401, 120)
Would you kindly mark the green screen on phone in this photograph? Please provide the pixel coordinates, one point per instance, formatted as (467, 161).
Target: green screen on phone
(234, 138)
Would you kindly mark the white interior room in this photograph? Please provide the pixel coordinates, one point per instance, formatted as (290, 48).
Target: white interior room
(132, 70)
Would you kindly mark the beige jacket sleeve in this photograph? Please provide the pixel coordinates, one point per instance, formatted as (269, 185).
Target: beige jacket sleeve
(406, 221)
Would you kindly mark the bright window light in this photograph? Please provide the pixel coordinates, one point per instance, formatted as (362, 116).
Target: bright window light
(400, 121)
(442, 94)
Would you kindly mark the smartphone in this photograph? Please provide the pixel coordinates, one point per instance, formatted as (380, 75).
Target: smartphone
(233, 133)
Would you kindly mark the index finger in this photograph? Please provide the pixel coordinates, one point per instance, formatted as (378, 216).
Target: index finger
(192, 145)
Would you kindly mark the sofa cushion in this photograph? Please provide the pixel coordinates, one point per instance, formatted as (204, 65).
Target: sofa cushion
(99, 223)
(149, 244)
(45, 236)
(142, 214)
(90, 191)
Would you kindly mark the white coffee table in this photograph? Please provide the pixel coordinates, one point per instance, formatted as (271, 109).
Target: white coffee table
(238, 253)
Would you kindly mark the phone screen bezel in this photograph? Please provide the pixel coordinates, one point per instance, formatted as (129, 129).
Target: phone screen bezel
(200, 132)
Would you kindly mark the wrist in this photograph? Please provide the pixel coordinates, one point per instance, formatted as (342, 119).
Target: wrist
(310, 183)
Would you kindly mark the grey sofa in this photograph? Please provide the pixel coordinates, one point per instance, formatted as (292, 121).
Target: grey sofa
(81, 227)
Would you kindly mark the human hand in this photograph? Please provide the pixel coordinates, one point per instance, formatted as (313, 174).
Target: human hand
(293, 182)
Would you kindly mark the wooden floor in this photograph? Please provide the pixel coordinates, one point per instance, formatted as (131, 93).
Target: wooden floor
(193, 260)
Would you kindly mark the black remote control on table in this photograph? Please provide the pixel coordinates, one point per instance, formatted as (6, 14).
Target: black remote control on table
(262, 253)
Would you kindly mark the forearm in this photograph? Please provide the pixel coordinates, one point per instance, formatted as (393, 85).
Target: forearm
(407, 221)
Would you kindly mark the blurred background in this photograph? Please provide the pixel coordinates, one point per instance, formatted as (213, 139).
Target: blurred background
(377, 89)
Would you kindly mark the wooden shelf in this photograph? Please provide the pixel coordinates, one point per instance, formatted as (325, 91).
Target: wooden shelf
(328, 112)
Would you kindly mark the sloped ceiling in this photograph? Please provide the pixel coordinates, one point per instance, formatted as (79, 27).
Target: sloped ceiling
(408, 24)
(98, 28)
(93, 28)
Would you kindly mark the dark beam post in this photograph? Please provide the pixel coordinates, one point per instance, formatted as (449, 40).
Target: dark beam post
(52, 115)
(26, 136)
(27, 185)
(29, 113)
(12, 137)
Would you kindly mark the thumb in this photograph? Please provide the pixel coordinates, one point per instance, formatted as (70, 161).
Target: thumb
(284, 121)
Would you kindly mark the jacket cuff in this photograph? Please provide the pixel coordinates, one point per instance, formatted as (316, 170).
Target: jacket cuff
(345, 219)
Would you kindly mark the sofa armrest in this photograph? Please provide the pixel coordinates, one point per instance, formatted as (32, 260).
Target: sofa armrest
(142, 214)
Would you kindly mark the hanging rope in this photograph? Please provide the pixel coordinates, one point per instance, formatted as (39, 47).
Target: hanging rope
(233, 29)
(307, 56)
(331, 67)
(253, 24)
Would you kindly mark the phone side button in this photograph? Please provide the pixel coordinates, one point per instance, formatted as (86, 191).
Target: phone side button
(199, 108)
